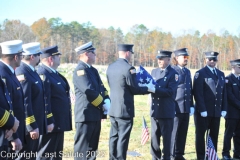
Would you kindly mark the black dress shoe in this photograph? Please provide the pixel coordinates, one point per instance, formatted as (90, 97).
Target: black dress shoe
(179, 158)
(236, 157)
(227, 157)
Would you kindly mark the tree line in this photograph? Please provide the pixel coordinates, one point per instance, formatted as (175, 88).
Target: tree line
(146, 42)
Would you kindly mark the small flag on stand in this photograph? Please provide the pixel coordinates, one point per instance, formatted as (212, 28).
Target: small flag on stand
(211, 152)
(145, 133)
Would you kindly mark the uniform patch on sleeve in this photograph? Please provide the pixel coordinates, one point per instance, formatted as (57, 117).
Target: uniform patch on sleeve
(196, 75)
(20, 77)
(176, 77)
(132, 71)
(80, 72)
(226, 80)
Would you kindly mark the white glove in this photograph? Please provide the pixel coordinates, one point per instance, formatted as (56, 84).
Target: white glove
(204, 114)
(151, 87)
(191, 111)
(223, 113)
(106, 106)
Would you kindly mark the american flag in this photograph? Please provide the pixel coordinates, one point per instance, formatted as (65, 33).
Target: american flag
(210, 152)
(143, 76)
(145, 133)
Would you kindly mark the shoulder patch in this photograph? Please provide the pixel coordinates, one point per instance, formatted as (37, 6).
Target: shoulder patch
(80, 72)
(196, 75)
(21, 77)
(176, 77)
(132, 71)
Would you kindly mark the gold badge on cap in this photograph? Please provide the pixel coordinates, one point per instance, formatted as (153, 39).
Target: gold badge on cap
(212, 53)
(20, 77)
(80, 72)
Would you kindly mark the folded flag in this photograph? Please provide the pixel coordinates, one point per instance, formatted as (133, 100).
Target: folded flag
(143, 77)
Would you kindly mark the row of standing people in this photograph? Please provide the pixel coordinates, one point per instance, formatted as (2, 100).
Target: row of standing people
(38, 99)
(171, 103)
(93, 101)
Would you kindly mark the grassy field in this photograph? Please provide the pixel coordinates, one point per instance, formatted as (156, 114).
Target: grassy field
(141, 109)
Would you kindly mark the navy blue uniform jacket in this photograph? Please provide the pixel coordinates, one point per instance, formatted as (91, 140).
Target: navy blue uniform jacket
(90, 93)
(233, 96)
(123, 86)
(184, 95)
(6, 117)
(163, 100)
(58, 99)
(16, 95)
(210, 92)
(34, 98)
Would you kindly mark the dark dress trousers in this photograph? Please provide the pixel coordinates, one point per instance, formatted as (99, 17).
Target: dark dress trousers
(58, 111)
(232, 119)
(163, 111)
(211, 96)
(123, 86)
(184, 100)
(35, 105)
(6, 116)
(90, 94)
(16, 94)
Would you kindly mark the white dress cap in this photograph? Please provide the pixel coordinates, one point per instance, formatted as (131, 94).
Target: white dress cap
(31, 48)
(85, 47)
(11, 47)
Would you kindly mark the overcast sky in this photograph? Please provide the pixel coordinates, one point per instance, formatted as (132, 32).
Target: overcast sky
(168, 15)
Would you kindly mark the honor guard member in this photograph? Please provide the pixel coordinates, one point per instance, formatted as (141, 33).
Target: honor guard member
(33, 95)
(58, 104)
(91, 95)
(163, 105)
(232, 123)
(8, 123)
(210, 102)
(183, 102)
(123, 86)
(11, 58)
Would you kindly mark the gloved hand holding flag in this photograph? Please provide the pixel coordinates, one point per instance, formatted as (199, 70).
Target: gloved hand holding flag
(145, 79)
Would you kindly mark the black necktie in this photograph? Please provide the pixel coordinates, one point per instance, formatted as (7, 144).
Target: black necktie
(183, 70)
(215, 73)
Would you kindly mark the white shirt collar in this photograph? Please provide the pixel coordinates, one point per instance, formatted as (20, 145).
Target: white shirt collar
(51, 69)
(211, 68)
(29, 66)
(12, 70)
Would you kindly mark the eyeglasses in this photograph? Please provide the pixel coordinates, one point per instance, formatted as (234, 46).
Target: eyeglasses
(20, 55)
(213, 59)
(36, 55)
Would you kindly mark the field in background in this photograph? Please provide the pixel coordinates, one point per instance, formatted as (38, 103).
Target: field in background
(141, 109)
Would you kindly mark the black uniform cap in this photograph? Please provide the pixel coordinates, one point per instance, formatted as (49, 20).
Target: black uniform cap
(163, 53)
(50, 51)
(235, 62)
(211, 54)
(181, 52)
(125, 47)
